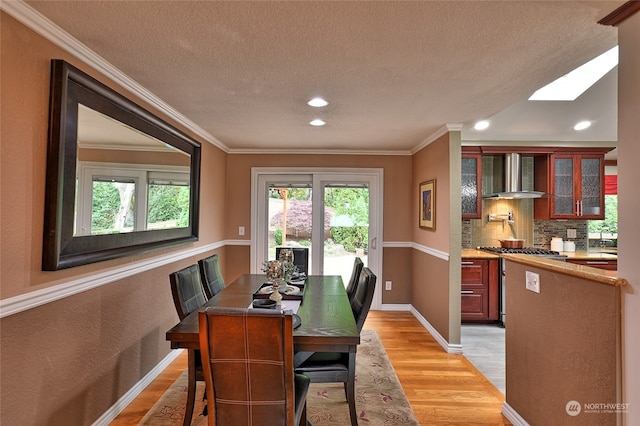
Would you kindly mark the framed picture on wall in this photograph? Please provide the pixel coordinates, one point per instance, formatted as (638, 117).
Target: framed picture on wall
(427, 218)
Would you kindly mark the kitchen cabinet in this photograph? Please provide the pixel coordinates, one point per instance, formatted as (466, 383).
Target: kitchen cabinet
(574, 186)
(479, 290)
(609, 265)
(471, 185)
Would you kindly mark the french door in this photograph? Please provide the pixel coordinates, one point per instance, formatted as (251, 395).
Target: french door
(335, 213)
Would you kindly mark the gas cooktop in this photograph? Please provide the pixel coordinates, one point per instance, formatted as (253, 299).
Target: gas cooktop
(533, 251)
(536, 251)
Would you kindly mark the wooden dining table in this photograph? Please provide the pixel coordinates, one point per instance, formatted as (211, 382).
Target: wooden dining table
(327, 321)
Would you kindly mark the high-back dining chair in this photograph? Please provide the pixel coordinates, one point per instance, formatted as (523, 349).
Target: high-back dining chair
(355, 276)
(300, 258)
(188, 296)
(331, 367)
(211, 275)
(247, 356)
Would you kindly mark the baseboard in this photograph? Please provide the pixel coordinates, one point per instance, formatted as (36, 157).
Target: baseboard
(132, 393)
(512, 415)
(395, 307)
(448, 347)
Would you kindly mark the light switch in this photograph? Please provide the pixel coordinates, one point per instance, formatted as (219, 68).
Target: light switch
(571, 233)
(240, 230)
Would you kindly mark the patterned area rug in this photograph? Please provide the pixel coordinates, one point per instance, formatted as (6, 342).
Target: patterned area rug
(380, 399)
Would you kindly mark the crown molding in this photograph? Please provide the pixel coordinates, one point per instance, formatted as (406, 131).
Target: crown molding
(315, 152)
(50, 31)
(449, 127)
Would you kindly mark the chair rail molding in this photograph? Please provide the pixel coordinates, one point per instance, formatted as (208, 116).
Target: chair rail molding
(33, 299)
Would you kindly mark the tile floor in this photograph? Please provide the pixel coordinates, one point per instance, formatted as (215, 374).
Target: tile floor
(484, 346)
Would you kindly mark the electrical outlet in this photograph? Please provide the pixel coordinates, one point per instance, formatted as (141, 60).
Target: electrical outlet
(387, 285)
(533, 281)
(571, 233)
(240, 230)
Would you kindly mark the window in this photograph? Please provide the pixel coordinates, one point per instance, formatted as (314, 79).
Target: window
(604, 232)
(132, 198)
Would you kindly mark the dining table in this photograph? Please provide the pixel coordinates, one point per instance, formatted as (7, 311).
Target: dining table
(327, 323)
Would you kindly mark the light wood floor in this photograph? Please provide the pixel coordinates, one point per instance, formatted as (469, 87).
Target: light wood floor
(441, 388)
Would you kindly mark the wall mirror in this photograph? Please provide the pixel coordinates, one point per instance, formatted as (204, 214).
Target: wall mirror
(119, 179)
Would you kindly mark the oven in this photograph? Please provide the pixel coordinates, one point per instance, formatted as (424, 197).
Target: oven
(531, 251)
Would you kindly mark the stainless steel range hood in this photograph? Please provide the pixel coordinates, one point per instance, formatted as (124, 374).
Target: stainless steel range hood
(513, 180)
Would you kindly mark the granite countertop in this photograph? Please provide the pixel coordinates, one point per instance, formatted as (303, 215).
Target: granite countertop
(577, 255)
(590, 255)
(478, 254)
(598, 275)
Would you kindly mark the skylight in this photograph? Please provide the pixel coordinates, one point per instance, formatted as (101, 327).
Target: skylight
(570, 86)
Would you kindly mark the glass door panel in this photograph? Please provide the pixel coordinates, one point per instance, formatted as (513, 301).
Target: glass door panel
(335, 213)
(346, 234)
(563, 186)
(590, 186)
(290, 221)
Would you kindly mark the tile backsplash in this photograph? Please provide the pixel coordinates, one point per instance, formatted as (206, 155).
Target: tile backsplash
(536, 233)
(543, 230)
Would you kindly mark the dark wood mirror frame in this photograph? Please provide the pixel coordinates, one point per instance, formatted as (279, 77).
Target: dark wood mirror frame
(61, 249)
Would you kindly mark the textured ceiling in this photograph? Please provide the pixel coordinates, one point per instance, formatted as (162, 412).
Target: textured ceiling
(393, 72)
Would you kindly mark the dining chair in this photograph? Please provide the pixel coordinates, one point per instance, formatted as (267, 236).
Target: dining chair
(247, 356)
(300, 258)
(211, 275)
(355, 275)
(188, 296)
(331, 367)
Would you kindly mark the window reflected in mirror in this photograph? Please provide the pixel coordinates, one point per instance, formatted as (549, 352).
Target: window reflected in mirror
(118, 189)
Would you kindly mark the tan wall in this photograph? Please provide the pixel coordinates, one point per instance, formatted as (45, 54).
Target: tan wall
(396, 266)
(398, 219)
(25, 99)
(432, 162)
(67, 362)
(431, 291)
(397, 194)
(559, 350)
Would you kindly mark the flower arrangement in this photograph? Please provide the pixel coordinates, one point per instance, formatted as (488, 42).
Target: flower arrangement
(279, 269)
(272, 269)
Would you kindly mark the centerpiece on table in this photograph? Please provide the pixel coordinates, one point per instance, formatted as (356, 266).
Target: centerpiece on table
(279, 273)
(274, 272)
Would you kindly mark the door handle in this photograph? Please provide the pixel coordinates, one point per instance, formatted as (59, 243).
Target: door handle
(374, 243)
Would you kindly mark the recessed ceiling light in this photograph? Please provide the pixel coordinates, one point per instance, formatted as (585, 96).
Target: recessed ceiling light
(317, 122)
(481, 125)
(317, 102)
(582, 125)
(570, 86)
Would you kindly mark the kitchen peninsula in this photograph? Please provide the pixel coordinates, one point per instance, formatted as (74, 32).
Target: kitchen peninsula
(563, 343)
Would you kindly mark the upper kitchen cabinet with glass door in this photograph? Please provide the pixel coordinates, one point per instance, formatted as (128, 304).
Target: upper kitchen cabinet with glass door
(574, 183)
(471, 185)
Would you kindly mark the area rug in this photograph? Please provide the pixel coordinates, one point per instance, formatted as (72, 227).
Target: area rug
(380, 399)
